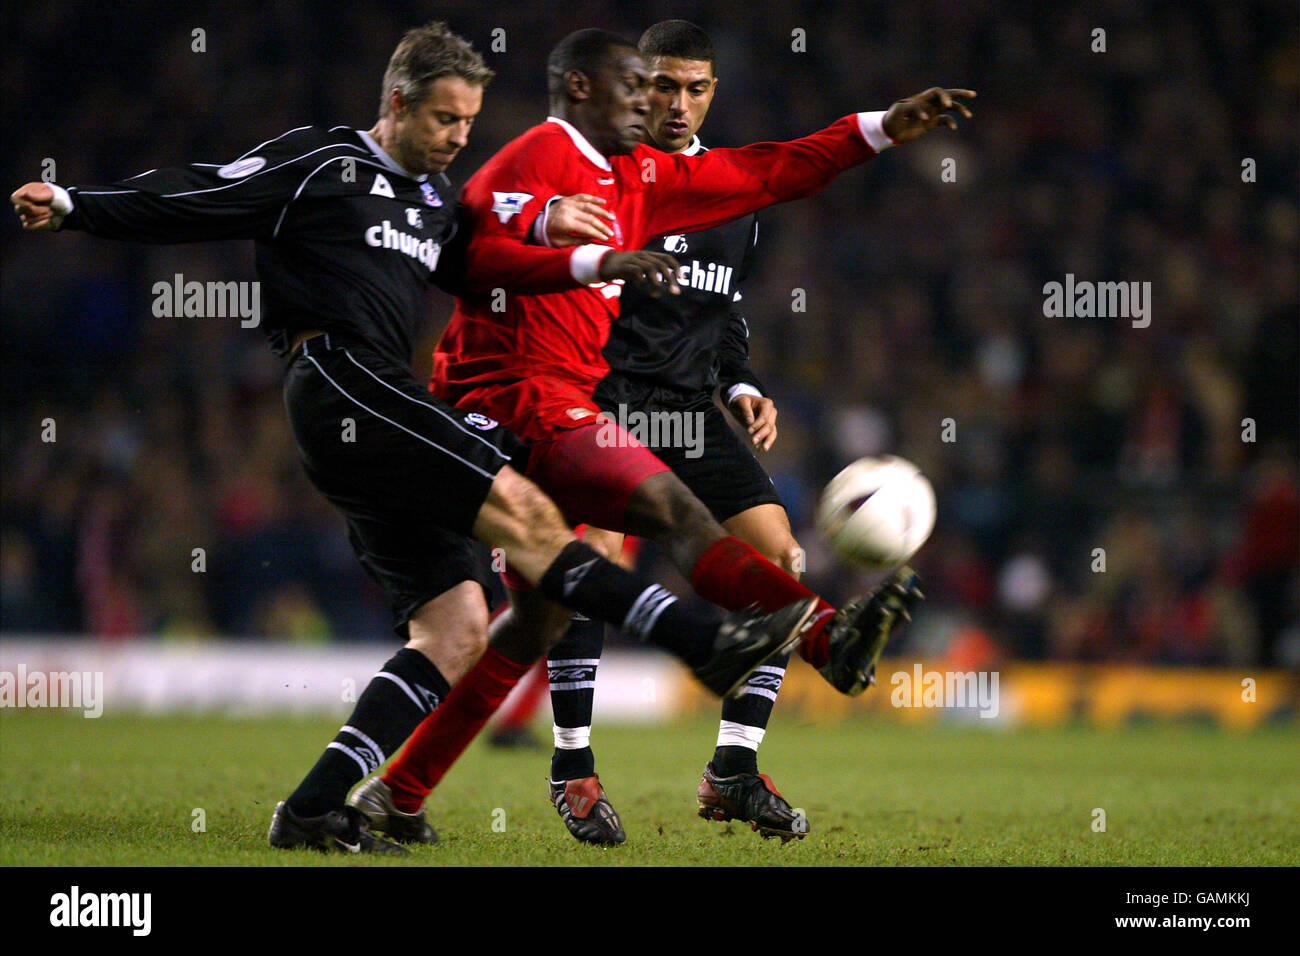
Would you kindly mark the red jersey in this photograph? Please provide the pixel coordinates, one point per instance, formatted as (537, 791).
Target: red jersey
(532, 361)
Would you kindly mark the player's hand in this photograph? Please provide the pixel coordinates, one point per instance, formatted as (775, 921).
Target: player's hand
(573, 220)
(33, 203)
(656, 269)
(917, 115)
(758, 415)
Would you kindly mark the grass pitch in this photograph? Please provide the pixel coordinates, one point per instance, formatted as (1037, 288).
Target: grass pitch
(125, 791)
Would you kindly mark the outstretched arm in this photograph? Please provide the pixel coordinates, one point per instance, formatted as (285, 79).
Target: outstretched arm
(689, 193)
(182, 204)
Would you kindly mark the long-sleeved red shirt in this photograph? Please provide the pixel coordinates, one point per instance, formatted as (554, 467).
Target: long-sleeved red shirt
(522, 358)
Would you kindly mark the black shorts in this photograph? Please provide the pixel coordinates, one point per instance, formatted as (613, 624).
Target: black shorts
(409, 472)
(706, 454)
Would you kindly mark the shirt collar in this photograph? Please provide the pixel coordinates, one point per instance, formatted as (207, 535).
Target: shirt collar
(386, 159)
(695, 147)
(580, 141)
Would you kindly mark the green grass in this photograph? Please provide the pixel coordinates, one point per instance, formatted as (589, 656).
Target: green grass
(122, 790)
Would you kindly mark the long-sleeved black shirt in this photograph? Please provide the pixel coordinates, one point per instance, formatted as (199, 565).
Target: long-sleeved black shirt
(693, 342)
(346, 240)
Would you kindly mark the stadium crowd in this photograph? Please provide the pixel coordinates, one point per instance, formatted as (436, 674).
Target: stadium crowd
(1107, 491)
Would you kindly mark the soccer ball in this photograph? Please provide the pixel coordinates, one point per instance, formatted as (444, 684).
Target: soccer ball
(877, 512)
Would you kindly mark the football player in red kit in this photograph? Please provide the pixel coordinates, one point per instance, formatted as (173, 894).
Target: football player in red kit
(532, 363)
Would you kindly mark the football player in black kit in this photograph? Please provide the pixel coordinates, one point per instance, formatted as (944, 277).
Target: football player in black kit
(669, 355)
(350, 228)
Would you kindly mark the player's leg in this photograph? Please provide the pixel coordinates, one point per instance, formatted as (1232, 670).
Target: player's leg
(724, 474)
(357, 423)
(574, 786)
(599, 474)
(731, 786)
(766, 527)
(408, 471)
(511, 730)
(446, 636)
(517, 517)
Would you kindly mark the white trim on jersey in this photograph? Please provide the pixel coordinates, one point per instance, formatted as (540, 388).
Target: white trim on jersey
(280, 221)
(427, 441)
(583, 144)
(387, 160)
(429, 405)
(872, 127)
(296, 129)
(261, 172)
(237, 182)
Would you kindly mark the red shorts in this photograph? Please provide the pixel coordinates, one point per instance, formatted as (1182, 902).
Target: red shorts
(536, 409)
(587, 464)
(590, 472)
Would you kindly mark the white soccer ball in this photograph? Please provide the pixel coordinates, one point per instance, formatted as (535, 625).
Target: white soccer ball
(877, 512)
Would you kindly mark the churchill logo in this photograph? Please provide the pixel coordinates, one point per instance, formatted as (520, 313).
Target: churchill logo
(384, 236)
(713, 278)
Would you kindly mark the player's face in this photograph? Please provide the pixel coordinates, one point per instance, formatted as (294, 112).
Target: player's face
(618, 100)
(680, 94)
(433, 131)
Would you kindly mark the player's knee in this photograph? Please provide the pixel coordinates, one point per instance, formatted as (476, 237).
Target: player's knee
(608, 544)
(452, 629)
(527, 512)
(460, 640)
(788, 556)
(662, 504)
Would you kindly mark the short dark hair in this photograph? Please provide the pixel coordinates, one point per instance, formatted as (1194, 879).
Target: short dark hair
(680, 39)
(426, 54)
(582, 50)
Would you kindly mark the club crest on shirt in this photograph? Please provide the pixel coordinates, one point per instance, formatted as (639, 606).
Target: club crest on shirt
(481, 422)
(675, 244)
(430, 194)
(506, 205)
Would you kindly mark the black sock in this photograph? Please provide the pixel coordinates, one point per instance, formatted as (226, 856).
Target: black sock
(571, 665)
(406, 689)
(744, 720)
(586, 582)
(729, 761)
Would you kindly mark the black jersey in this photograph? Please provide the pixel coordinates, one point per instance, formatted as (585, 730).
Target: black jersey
(689, 343)
(346, 240)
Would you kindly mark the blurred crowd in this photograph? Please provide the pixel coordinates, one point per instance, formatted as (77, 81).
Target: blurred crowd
(1107, 492)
